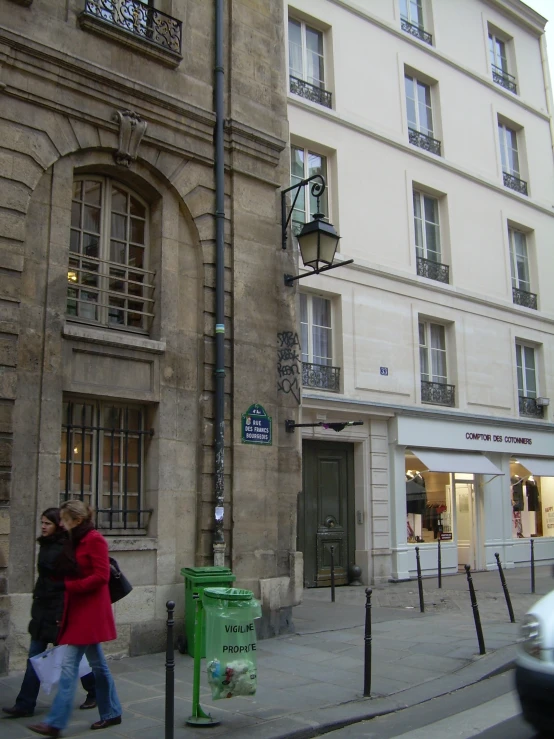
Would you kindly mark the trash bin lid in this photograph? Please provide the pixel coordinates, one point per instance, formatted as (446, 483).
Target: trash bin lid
(235, 594)
(193, 572)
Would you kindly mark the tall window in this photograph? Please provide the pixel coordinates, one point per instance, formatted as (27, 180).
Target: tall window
(519, 260)
(519, 265)
(418, 101)
(432, 364)
(316, 335)
(426, 226)
(508, 150)
(526, 371)
(412, 11)
(499, 63)
(306, 63)
(102, 460)
(108, 278)
(432, 352)
(411, 20)
(420, 115)
(304, 164)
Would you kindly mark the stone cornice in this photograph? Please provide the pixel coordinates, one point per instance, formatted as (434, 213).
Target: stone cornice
(419, 153)
(38, 59)
(251, 141)
(106, 87)
(520, 13)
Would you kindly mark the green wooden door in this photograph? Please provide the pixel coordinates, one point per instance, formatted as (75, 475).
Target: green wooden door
(326, 512)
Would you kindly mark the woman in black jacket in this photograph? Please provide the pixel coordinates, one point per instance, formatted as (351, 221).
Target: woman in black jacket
(46, 615)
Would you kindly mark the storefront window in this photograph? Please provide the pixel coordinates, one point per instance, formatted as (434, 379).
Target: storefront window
(532, 500)
(428, 503)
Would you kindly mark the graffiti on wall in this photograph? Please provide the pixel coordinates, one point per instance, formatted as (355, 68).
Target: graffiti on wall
(289, 364)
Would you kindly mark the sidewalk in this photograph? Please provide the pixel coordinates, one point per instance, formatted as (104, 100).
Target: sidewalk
(314, 677)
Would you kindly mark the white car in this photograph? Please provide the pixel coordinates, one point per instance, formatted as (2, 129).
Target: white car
(535, 666)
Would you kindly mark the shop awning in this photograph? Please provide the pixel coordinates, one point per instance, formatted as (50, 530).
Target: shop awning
(538, 467)
(470, 462)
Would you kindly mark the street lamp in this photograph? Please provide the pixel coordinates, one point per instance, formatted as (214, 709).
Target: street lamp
(318, 239)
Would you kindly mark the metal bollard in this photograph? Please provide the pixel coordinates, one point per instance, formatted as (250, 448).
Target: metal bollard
(169, 674)
(475, 608)
(332, 549)
(532, 565)
(367, 644)
(419, 581)
(439, 563)
(506, 593)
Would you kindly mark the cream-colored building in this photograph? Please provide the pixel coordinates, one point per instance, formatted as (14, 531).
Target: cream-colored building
(431, 122)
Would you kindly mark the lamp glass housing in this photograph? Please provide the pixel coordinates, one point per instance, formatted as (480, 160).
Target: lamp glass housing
(318, 243)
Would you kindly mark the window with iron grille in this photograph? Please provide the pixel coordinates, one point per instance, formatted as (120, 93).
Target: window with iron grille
(432, 352)
(426, 226)
(307, 63)
(526, 371)
(316, 338)
(303, 164)
(102, 461)
(499, 62)
(108, 281)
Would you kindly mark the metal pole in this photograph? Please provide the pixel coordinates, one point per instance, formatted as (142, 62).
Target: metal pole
(532, 565)
(419, 581)
(506, 593)
(198, 717)
(169, 674)
(439, 563)
(219, 372)
(475, 608)
(332, 574)
(367, 644)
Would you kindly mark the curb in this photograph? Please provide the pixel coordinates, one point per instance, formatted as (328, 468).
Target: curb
(490, 665)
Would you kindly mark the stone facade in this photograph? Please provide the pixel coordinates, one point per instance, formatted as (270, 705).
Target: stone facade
(69, 84)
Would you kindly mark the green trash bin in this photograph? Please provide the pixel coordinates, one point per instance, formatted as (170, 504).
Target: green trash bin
(231, 641)
(196, 580)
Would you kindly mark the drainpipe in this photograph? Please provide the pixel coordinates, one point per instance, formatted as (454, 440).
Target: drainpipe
(218, 538)
(547, 85)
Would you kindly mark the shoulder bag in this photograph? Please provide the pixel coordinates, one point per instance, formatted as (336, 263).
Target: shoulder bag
(118, 584)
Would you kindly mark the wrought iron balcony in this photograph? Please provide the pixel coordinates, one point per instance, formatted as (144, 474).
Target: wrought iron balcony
(139, 20)
(424, 142)
(416, 31)
(437, 393)
(504, 79)
(529, 407)
(522, 297)
(433, 270)
(311, 92)
(321, 376)
(514, 183)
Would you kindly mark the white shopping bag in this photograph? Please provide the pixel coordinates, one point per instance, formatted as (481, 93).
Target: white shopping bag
(48, 666)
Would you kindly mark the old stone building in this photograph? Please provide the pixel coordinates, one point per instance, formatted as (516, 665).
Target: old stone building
(108, 297)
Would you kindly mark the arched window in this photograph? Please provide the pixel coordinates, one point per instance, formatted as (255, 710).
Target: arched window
(108, 278)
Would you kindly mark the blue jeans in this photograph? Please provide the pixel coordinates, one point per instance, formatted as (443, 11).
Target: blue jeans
(27, 698)
(106, 694)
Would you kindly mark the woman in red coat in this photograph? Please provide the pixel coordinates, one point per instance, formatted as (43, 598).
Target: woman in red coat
(87, 620)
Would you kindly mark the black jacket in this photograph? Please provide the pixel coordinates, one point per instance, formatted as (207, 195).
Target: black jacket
(48, 594)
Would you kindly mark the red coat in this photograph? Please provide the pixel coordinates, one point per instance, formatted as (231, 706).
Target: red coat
(88, 616)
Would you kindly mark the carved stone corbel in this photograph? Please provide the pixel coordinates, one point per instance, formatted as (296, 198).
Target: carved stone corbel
(131, 131)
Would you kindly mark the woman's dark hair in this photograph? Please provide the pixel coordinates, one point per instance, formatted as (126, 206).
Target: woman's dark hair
(53, 515)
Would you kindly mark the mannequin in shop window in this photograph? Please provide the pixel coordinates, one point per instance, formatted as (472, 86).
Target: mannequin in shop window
(517, 504)
(416, 502)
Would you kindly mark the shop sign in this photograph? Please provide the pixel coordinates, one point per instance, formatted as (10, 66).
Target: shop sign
(444, 536)
(256, 426)
(425, 432)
